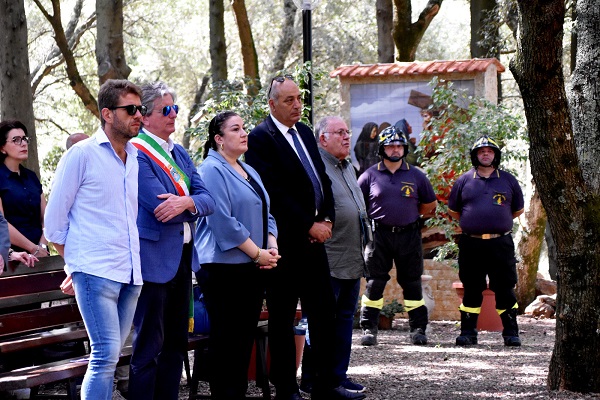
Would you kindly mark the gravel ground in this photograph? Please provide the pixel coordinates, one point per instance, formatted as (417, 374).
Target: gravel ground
(396, 369)
(440, 370)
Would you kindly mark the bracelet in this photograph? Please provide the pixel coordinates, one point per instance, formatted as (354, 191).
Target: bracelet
(257, 258)
(37, 250)
(276, 248)
(10, 251)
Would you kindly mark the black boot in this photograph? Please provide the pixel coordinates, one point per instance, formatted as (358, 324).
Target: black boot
(369, 317)
(417, 320)
(468, 329)
(510, 333)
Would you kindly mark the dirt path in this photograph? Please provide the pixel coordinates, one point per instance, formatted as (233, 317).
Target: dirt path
(397, 370)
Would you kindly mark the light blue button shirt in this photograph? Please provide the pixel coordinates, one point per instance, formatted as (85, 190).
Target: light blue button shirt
(92, 210)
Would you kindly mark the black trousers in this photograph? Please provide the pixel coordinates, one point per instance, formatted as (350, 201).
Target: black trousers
(493, 258)
(161, 335)
(302, 273)
(234, 296)
(406, 251)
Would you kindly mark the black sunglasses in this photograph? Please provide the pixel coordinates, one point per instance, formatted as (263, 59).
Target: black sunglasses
(167, 109)
(279, 79)
(132, 109)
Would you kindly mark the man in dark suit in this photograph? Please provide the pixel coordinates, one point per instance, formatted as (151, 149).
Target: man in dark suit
(171, 197)
(285, 154)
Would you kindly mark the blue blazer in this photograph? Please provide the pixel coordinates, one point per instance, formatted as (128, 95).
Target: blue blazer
(4, 239)
(237, 216)
(161, 243)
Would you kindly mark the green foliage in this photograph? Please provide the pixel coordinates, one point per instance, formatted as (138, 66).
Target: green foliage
(49, 166)
(446, 143)
(233, 95)
(391, 308)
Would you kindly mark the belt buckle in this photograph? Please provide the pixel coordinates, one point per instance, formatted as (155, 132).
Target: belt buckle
(486, 236)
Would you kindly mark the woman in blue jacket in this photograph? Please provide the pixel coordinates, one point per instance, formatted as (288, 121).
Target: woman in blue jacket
(235, 244)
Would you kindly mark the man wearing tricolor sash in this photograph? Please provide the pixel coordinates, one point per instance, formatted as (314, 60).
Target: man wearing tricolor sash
(171, 198)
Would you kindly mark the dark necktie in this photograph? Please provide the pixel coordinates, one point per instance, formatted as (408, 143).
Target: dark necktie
(308, 168)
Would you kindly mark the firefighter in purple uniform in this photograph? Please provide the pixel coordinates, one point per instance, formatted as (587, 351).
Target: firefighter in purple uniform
(396, 195)
(486, 200)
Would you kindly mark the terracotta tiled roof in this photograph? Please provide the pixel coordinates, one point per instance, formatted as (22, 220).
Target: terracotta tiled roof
(417, 67)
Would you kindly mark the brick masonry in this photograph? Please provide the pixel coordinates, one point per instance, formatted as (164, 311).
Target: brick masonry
(445, 297)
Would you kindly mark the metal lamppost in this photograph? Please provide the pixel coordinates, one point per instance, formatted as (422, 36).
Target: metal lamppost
(307, 6)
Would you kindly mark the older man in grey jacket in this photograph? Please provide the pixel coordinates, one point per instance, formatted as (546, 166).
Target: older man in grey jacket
(345, 248)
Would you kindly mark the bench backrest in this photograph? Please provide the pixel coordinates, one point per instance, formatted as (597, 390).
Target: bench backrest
(27, 288)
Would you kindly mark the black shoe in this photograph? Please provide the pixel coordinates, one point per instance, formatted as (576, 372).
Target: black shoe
(306, 386)
(512, 341)
(466, 340)
(369, 337)
(339, 393)
(417, 336)
(295, 396)
(352, 386)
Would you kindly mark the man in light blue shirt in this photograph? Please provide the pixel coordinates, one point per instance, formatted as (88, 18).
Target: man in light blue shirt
(91, 219)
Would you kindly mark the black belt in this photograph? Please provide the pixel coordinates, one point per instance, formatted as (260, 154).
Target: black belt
(396, 229)
(486, 236)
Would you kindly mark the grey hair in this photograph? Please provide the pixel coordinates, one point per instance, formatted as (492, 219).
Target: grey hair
(323, 124)
(155, 90)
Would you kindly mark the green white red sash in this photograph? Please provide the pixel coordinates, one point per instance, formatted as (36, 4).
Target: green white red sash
(148, 145)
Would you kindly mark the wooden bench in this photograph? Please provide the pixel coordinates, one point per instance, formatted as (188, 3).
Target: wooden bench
(69, 370)
(22, 331)
(27, 323)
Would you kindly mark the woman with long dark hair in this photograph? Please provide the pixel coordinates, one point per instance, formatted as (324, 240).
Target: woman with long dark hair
(366, 147)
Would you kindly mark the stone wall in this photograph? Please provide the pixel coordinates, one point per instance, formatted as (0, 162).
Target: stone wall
(446, 300)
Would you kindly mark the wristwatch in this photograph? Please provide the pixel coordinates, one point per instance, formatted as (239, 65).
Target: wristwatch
(44, 246)
(327, 219)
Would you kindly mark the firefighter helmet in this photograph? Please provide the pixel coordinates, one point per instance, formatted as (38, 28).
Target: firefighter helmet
(392, 135)
(485, 141)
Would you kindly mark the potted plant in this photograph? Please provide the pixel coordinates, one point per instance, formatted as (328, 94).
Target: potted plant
(388, 312)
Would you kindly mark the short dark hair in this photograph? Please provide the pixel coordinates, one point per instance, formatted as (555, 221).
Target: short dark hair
(214, 129)
(7, 126)
(111, 91)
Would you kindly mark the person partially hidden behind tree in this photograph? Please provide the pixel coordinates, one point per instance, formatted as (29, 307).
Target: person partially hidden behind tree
(486, 200)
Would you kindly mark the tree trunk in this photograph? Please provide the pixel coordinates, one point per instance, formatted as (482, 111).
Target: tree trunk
(573, 35)
(568, 182)
(16, 101)
(194, 110)
(530, 246)
(408, 35)
(385, 24)
(485, 32)
(287, 36)
(75, 78)
(110, 53)
(248, 49)
(218, 51)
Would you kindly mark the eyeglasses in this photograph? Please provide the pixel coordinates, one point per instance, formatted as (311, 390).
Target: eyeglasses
(20, 139)
(167, 110)
(341, 132)
(132, 109)
(279, 79)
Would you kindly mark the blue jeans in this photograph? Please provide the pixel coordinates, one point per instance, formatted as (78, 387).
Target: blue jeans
(107, 308)
(346, 293)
